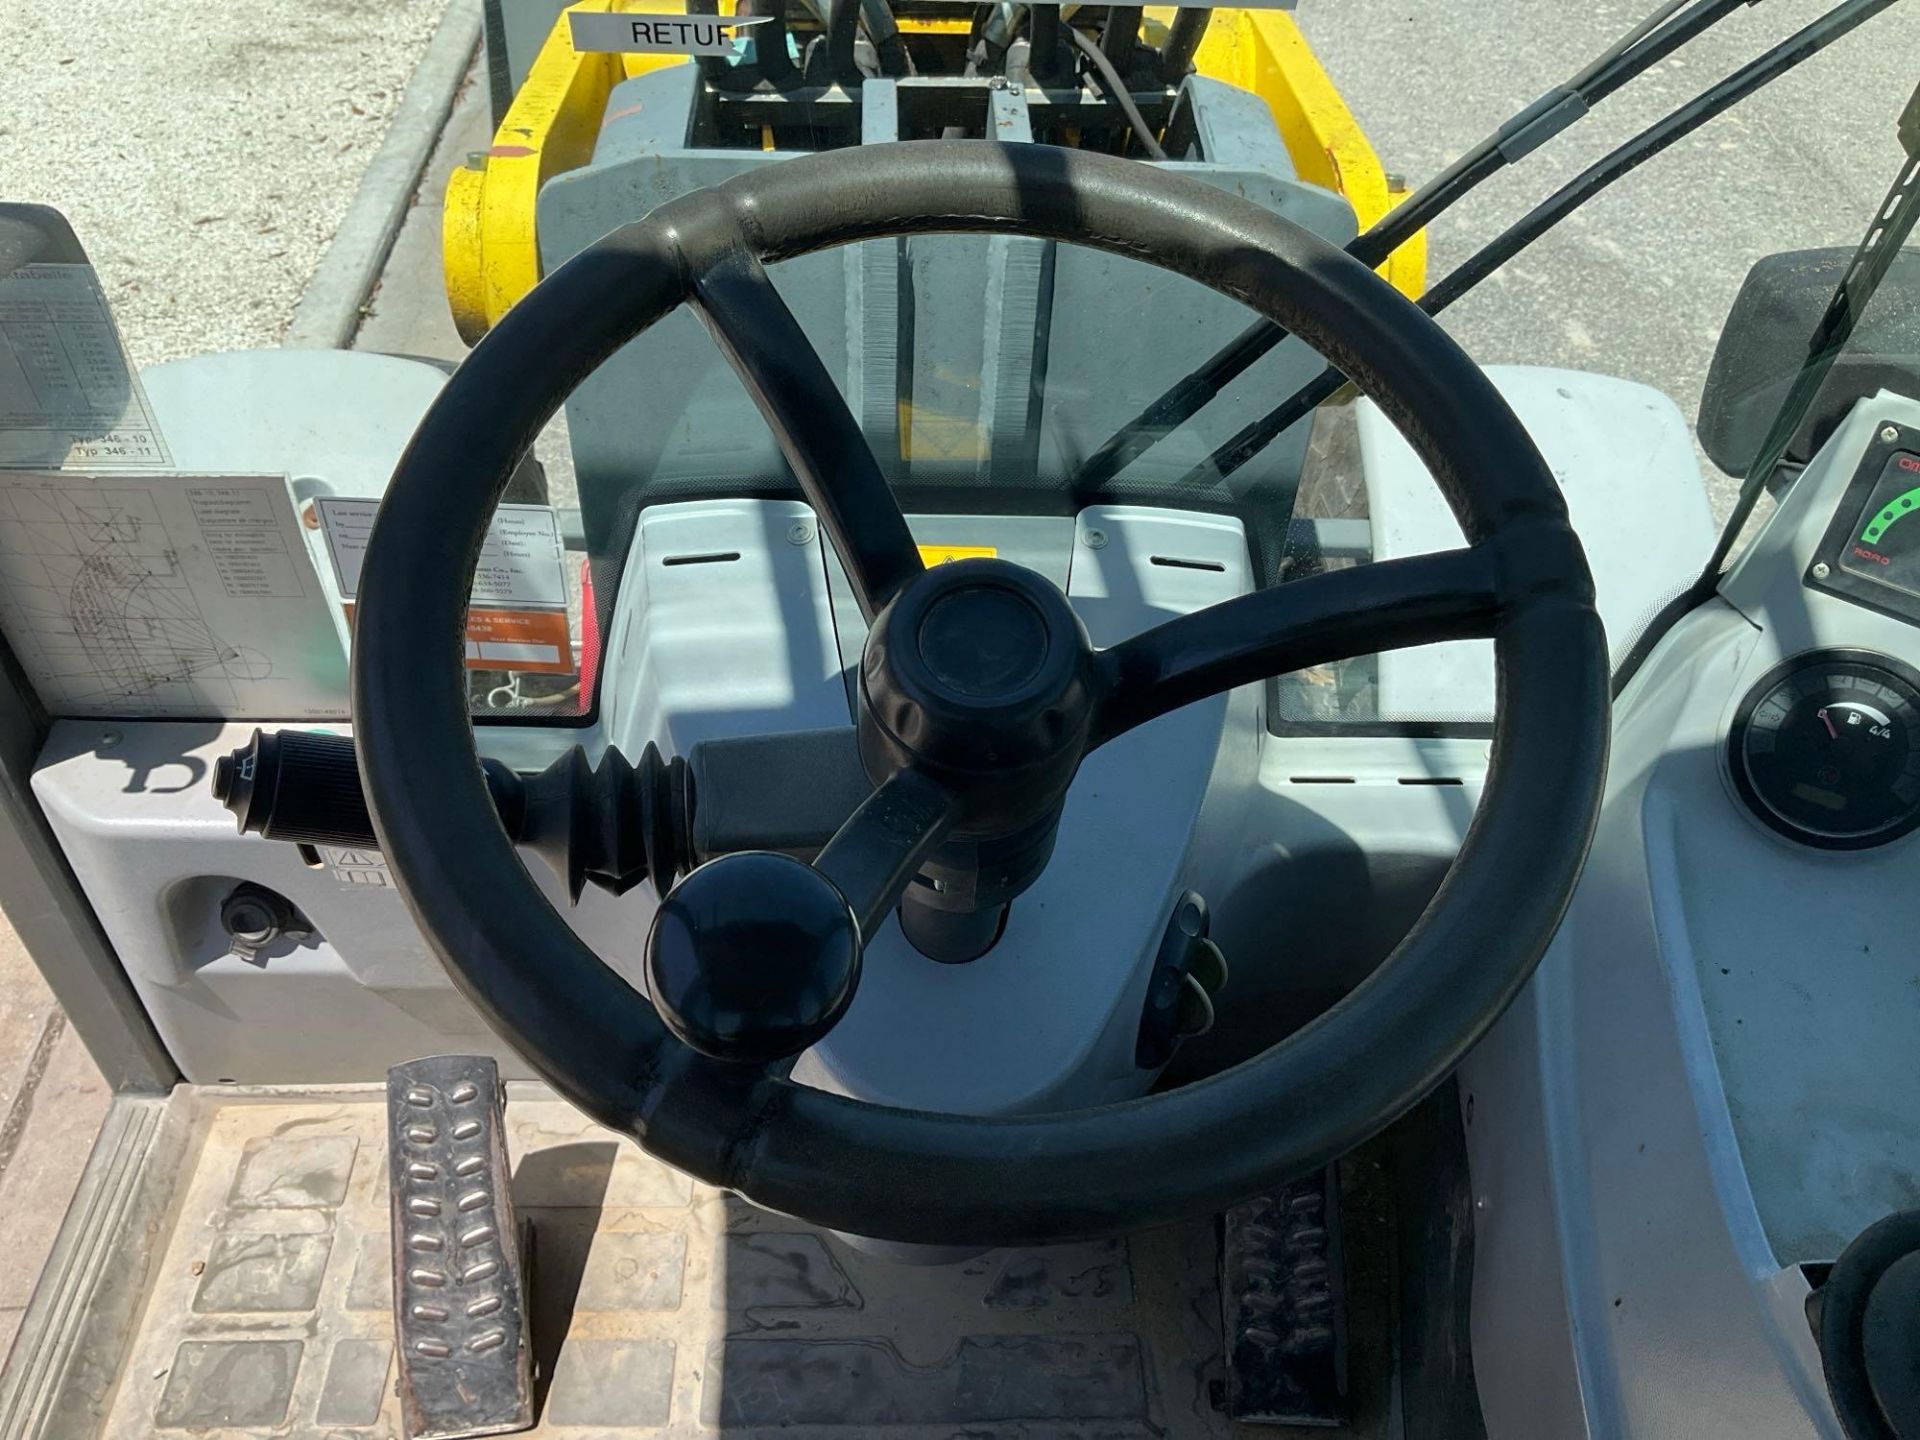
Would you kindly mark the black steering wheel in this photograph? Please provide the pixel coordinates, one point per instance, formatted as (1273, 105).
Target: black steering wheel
(979, 696)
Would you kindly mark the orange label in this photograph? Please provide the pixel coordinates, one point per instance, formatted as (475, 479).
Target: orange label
(532, 642)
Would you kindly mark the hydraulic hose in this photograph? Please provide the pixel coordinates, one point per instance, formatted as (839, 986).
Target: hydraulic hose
(1043, 30)
(1183, 39)
(1117, 92)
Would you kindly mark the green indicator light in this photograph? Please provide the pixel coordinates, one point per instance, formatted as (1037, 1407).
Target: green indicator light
(1894, 509)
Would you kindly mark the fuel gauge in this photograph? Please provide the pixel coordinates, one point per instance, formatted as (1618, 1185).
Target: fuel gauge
(1826, 749)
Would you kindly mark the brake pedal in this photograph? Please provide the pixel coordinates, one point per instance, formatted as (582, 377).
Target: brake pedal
(459, 1291)
(1284, 1302)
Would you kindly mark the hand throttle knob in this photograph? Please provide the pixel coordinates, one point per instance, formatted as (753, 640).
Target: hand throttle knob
(753, 957)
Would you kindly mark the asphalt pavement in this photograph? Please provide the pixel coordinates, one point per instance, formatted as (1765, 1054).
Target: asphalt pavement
(1637, 283)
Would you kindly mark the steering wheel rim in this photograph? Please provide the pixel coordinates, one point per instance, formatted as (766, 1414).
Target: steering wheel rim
(910, 1176)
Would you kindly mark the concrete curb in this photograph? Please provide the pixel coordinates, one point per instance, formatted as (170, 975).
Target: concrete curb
(329, 311)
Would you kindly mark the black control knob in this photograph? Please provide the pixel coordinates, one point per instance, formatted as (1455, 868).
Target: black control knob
(1187, 974)
(297, 785)
(1868, 1323)
(753, 957)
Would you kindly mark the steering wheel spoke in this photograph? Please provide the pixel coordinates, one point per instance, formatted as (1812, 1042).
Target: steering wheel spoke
(874, 856)
(1389, 605)
(810, 421)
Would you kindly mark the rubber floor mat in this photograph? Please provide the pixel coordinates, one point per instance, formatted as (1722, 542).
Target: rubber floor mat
(659, 1307)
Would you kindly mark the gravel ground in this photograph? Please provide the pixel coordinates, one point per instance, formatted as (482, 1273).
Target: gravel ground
(1638, 282)
(204, 154)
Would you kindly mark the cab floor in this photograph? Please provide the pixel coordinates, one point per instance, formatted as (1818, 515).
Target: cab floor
(660, 1307)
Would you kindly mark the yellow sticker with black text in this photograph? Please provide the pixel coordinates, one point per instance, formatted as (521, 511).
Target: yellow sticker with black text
(947, 554)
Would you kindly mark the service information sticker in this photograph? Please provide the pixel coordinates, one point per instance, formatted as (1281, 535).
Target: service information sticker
(531, 641)
(69, 397)
(626, 33)
(517, 615)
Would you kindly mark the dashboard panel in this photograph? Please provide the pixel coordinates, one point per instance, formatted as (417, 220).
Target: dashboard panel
(1870, 553)
(1773, 847)
(1717, 1053)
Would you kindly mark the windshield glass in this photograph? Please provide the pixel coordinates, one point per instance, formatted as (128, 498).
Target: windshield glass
(413, 176)
(1010, 378)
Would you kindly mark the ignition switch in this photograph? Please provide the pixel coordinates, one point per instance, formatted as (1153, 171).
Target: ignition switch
(254, 917)
(1188, 972)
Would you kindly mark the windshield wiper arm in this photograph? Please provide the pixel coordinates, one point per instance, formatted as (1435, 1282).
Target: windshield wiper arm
(1655, 38)
(1804, 43)
(1887, 232)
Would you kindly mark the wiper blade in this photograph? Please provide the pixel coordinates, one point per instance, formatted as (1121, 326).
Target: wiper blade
(1803, 44)
(1887, 232)
(1650, 42)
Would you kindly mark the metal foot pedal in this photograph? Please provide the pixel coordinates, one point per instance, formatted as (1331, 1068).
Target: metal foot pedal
(1284, 1306)
(459, 1294)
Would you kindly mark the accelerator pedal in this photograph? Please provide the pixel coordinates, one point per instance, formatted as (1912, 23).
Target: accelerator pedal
(459, 1291)
(1284, 1306)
